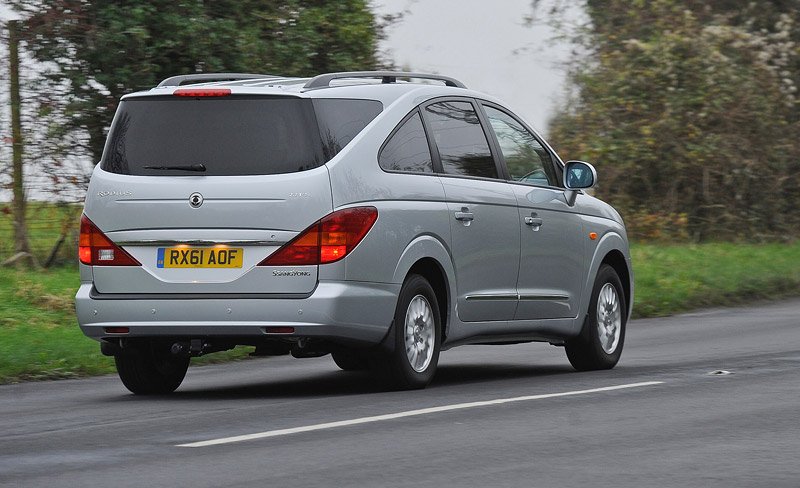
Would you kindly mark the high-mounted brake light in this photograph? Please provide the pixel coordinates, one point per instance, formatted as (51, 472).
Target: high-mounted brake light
(202, 92)
(95, 249)
(328, 240)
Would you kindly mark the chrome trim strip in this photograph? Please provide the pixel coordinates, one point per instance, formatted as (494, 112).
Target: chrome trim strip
(200, 242)
(499, 296)
(514, 296)
(555, 298)
(183, 200)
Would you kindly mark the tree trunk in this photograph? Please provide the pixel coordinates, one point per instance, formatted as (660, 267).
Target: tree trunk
(20, 227)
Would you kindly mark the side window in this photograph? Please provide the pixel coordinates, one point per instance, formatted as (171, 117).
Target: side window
(460, 139)
(527, 160)
(340, 120)
(407, 149)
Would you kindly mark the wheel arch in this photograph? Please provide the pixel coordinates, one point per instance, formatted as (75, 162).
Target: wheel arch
(616, 260)
(428, 257)
(612, 249)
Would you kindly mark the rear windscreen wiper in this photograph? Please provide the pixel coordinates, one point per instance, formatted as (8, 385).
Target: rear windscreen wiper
(185, 167)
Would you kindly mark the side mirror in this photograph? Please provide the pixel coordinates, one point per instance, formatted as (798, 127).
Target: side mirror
(579, 175)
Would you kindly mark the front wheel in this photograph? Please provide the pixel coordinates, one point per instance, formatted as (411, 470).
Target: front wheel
(417, 340)
(149, 370)
(600, 344)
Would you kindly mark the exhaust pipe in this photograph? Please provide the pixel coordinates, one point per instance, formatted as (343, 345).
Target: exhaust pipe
(307, 349)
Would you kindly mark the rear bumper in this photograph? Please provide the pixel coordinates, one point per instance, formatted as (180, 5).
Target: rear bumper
(348, 312)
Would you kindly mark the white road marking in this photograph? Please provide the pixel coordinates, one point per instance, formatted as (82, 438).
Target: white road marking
(409, 413)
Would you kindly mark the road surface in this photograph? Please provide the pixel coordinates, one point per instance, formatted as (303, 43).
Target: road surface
(494, 416)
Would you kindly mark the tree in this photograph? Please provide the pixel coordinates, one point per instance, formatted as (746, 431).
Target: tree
(690, 110)
(103, 50)
(21, 246)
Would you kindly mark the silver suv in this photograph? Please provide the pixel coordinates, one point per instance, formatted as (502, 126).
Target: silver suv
(358, 214)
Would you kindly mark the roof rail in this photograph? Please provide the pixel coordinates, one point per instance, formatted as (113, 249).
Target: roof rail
(186, 79)
(324, 81)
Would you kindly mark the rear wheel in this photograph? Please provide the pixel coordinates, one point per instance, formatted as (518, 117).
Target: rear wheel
(149, 370)
(417, 339)
(350, 361)
(600, 344)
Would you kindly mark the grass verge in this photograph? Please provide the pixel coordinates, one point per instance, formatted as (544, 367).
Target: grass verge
(678, 278)
(39, 334)
(40, 338)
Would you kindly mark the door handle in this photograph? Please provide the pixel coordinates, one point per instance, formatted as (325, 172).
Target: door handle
(465, 215)
(534, 221)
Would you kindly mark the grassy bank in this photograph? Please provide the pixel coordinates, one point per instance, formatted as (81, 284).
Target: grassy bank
(677, 278)
(39, 336)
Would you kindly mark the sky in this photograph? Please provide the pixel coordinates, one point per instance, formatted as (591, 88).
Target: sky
(483, 43)
(477, 42)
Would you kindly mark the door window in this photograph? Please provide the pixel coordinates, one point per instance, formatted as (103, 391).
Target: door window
(526, 159)
(462, 144)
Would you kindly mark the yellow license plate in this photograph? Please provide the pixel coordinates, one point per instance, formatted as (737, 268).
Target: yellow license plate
(200, 257)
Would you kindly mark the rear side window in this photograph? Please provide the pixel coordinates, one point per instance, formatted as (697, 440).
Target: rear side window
(229, 136)
(340, 120)
(460, 139)
(407, 149)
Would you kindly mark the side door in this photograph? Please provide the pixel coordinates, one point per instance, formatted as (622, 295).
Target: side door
(551, 250)
(484, 225)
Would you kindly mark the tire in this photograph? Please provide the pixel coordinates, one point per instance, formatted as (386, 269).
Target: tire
(149, 371)
(412, 362)
(350, 361)
(593, 349)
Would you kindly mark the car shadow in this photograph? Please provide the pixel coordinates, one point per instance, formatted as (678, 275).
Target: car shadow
(341, 383)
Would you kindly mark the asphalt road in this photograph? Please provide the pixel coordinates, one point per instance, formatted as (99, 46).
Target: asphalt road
(690, 429)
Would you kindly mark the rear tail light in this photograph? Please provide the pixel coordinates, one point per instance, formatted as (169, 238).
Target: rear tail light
(94, 248)
(328, 240)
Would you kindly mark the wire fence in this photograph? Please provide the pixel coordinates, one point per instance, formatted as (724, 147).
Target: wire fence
(52, 230)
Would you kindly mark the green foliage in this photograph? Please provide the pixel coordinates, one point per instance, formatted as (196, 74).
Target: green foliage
(103, 50)
(691, 110)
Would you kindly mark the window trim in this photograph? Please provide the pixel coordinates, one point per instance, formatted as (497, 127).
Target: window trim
(555, 161)
(394, 131)
(437, 165)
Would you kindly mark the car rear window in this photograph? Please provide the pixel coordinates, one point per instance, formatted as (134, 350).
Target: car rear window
(229, 136)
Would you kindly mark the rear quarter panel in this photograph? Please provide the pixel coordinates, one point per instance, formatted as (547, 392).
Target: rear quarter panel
(410, 206)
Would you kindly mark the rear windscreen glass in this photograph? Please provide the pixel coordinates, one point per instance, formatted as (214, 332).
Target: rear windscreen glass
(235, 135)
